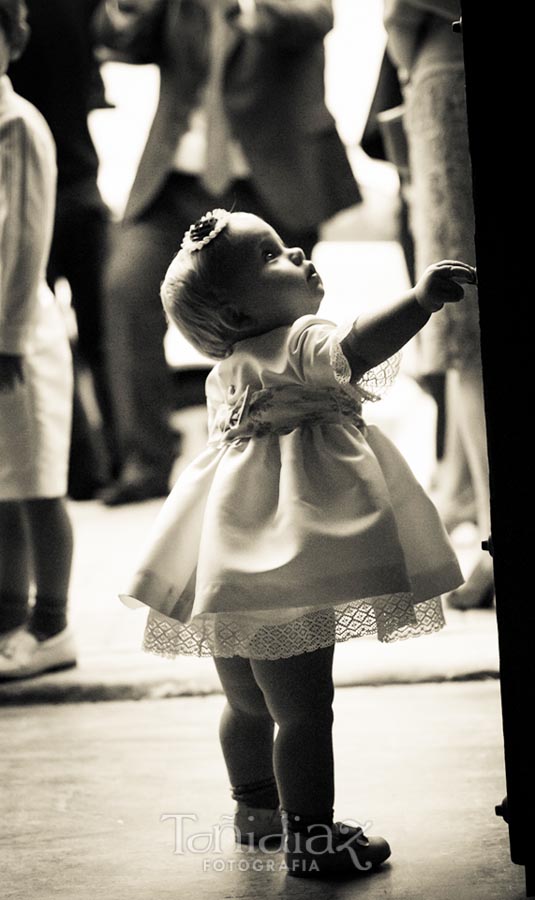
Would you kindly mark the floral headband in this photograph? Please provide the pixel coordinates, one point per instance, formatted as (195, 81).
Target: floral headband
(205, 230)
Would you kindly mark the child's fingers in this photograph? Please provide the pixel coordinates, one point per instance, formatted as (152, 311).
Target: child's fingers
(451, 262)
(460, 272)
(456, 269)
(463, 276)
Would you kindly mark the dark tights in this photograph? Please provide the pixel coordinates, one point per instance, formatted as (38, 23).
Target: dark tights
(36, 545)
(296, 694)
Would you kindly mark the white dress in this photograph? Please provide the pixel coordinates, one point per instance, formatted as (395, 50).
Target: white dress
(35, 417)
(299, 525)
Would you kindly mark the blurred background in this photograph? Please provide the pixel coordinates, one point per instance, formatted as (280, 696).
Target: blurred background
(95, 777)
(354, 50)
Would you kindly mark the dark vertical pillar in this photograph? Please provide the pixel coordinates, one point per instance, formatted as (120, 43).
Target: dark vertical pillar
(497, 56)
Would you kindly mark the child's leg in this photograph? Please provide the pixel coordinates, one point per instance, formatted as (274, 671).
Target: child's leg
(51, 542)
(246, 734)
(14, 567)
(299, 693)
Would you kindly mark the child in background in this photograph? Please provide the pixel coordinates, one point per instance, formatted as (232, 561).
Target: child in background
(297, 527)
(35, 389)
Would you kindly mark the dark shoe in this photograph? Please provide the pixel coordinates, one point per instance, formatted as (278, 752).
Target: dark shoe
(134, 490)
(87, 490)
(329, 852)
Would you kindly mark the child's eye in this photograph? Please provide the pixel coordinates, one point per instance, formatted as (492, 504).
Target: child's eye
(268, 255)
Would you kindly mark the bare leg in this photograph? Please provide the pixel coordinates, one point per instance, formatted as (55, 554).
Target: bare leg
(51, 540)
(14, 567)
(467, 391)
(454, 494)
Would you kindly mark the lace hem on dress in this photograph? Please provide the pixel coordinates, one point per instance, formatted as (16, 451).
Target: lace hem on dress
(391, 618)
(374, 384)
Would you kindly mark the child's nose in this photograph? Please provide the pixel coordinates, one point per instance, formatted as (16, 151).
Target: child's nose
(297, 256)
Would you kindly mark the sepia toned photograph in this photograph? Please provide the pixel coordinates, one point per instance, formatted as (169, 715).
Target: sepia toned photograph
(263, 492)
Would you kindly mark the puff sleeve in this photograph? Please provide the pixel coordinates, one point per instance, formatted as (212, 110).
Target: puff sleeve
(316, 358)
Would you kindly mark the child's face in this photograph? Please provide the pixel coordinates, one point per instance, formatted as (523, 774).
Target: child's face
(273, 285)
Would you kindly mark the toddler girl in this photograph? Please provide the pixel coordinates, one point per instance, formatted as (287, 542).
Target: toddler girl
(297, 527)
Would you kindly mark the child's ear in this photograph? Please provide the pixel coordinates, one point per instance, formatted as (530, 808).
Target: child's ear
(235, 319)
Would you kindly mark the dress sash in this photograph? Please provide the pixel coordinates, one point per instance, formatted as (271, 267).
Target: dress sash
(279, 410)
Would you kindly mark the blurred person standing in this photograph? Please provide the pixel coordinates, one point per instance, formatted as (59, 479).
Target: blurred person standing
(241, 122)
(430, 63)
(384, 139)
(58, 74)
(35, 388)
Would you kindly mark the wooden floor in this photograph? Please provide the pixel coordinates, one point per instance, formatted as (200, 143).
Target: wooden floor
(87, 788)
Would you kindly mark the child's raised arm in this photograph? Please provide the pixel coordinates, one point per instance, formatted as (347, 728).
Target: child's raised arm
(376, 336)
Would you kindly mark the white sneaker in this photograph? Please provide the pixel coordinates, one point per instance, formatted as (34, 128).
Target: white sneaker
(22, 655)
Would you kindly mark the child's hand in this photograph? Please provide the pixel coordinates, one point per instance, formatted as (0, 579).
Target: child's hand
(11, 371)
(442, 283)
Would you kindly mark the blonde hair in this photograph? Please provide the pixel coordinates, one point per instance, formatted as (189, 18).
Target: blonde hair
(195, 291)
